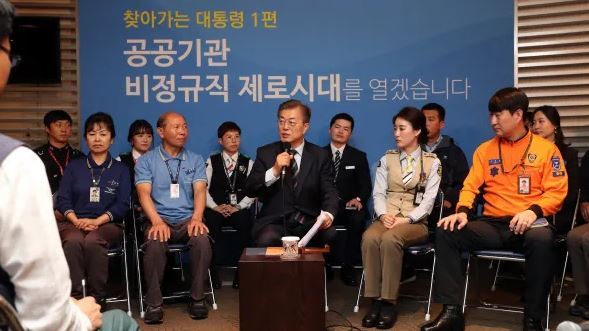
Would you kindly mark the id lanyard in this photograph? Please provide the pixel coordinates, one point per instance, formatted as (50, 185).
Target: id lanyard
(95, 187)
(232, 194)
(521, 162)
(59, 166)
(174, 186)
(524, 181)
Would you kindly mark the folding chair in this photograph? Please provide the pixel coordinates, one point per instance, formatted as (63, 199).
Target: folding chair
(177, 250)
(121, 252)
(8, 317)
(498, 255)
(566, 259)
(417, 250)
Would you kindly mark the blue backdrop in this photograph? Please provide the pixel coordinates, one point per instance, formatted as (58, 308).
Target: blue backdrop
(237, 60)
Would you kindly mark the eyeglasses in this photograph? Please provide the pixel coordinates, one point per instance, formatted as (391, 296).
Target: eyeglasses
(14, 59)
(289, 123)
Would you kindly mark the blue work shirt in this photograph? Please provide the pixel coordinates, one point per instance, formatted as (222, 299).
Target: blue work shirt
(114, 183)
(151, 168)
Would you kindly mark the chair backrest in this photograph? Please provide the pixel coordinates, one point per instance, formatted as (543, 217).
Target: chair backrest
(8, 317)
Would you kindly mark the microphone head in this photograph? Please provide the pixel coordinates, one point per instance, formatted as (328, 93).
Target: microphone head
(286, 146)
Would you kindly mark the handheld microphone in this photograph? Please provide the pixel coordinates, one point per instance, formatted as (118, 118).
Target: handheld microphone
(285, 148)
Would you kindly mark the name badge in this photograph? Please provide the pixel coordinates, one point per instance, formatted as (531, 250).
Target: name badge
(94, 194)
(174, 191)
(350, 167)
(419, 192)
(232, 199)
(523, 184)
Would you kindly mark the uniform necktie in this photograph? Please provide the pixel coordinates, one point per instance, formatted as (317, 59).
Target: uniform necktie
(336, 163)
(295, 166)
(407, 169)
(229, 164)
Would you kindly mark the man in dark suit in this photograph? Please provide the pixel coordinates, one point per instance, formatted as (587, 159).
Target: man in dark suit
(352, 179)
(293, 179)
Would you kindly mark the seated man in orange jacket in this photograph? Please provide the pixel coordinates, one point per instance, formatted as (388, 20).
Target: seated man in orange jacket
(522, 178)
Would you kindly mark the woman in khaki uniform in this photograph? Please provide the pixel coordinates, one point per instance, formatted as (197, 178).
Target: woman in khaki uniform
(405, 188)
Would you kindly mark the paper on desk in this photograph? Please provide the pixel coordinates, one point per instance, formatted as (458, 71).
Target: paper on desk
(273, 251)
(313, 231)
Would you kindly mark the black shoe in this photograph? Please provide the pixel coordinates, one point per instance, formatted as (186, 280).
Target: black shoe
(348, 275)
(532, 324)
(371, 318)
(328, 272)
(581, 306)
(235, 284)
(388, 316)
(215, 278)
(198, 309)
(450, 319)
(153, 315)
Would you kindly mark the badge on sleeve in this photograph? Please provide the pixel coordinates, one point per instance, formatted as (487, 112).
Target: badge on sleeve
(523, 184)
(94, 194)
(555, 163)
(174, 191)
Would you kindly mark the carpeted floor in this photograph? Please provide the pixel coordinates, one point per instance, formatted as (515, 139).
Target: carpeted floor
(341, 300)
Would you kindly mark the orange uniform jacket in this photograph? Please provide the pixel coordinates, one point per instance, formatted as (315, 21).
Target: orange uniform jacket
(541, 162)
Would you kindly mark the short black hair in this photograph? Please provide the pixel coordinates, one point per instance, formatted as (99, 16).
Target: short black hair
(6, 18)
(417, 120)
(56, 115)
(138, 127)
(510, 98)
(342, 116)
(437, 107)
(294, 103)
(100, 118)
(226, 127)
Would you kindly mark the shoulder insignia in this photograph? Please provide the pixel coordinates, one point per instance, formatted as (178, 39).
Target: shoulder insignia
(427, 154)
(392, 151)
(440, 170)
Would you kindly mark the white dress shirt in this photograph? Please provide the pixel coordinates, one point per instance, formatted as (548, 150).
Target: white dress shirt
(379, 193)
(246, 202)
(30, 248)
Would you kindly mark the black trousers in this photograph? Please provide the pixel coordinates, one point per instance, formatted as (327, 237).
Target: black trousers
(240, 220)
(493, 233)
(355, 223)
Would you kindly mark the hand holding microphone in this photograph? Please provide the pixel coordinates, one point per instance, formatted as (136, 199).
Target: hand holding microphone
(283, 160)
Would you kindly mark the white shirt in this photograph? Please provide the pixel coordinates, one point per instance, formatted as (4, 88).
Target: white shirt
(335, 149)
(246, 202)
(30, 248)
(379, 192)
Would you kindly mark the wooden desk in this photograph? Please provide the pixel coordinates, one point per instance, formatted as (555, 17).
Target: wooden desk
(279, 295)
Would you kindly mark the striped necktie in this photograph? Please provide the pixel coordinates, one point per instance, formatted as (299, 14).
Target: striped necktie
(336, 163)
(230, 165)
(407, 169)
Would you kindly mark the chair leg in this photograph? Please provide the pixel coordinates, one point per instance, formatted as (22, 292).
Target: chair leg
(181, 267)
(466, 285)
(126, 276)
(325, 289)
(431, 286)
(496, 276)
(212, 290)
(135, 242)
(357, 307)
(564, 269)
(548, 312)
(574, 301)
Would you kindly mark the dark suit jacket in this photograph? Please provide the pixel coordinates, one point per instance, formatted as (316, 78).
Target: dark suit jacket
(353, 179)
(315, 189)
